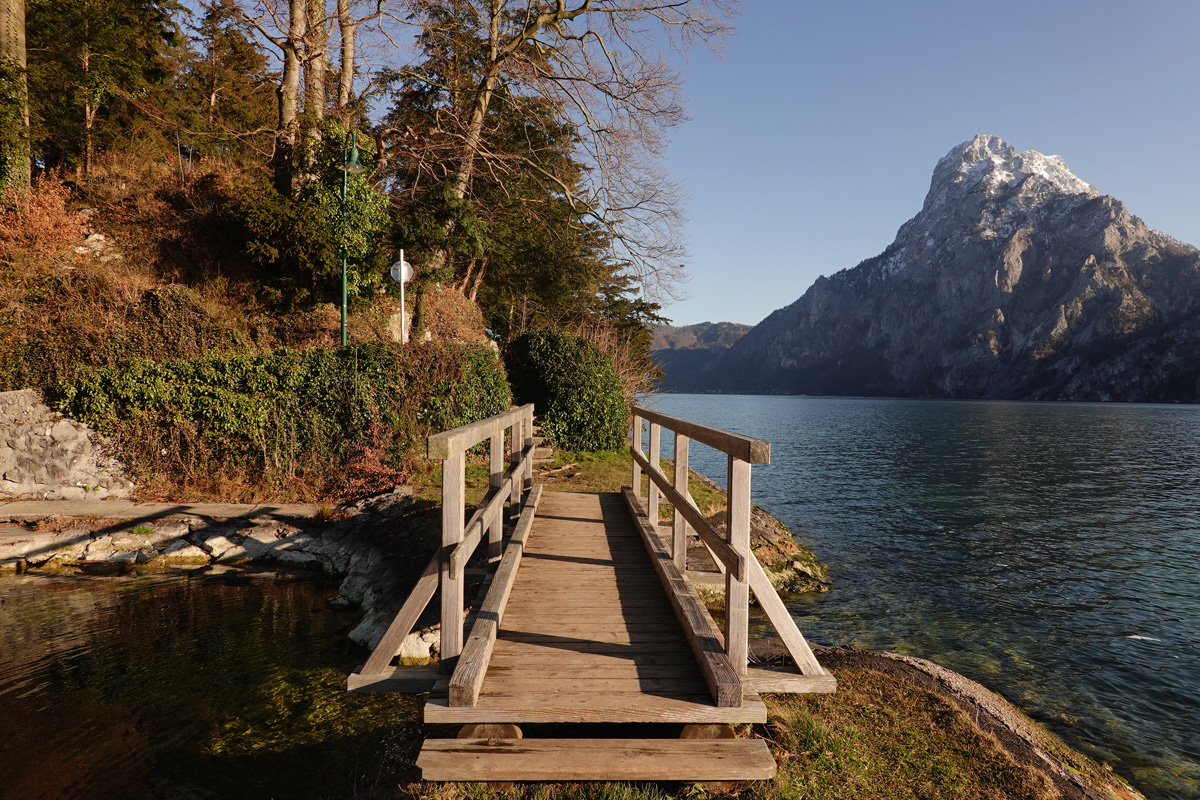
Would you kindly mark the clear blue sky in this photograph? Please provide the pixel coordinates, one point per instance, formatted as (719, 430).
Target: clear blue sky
(815, 137)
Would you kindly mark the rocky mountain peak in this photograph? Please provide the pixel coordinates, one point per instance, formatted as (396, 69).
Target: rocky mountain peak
(1015, 280)
(990, 165)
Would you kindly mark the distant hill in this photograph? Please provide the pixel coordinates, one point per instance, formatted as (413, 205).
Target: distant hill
(700, 336)
(1016, 280)
(686, 354)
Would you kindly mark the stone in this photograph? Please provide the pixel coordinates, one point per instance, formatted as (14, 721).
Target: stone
(46, 456)
(63, 431)
(420, 644)
(261, 542)
(224, 549)
(183, 553)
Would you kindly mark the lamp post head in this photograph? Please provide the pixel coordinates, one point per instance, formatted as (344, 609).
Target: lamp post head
(351, 164)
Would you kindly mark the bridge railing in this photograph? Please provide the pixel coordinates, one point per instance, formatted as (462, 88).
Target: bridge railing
(731, 552)
(459, 538)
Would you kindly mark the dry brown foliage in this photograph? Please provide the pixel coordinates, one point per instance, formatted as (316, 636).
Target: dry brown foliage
(634, 369)
(38, 220)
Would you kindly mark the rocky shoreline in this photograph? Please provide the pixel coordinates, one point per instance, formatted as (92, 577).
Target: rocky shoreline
(1072, 774)
(375, 547)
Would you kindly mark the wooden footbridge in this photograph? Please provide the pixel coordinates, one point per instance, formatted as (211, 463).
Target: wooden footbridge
(587, 617)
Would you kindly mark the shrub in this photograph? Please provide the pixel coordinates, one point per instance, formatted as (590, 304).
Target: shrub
(311, 424)
(39, 220)
(574, 389)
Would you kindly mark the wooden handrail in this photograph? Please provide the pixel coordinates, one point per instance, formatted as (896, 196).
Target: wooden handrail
(720, 549)
(732, 552)
(746, 448)
(443, 445)
(459, 540)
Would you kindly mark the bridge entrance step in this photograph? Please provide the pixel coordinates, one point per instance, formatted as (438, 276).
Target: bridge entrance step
(595, 760)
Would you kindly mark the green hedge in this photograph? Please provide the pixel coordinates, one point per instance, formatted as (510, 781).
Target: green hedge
(574, 389)
(302, 423)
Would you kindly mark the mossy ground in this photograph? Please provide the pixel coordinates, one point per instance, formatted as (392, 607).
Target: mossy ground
(877, 737)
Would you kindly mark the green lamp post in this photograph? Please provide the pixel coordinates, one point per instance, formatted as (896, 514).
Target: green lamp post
(350, 166)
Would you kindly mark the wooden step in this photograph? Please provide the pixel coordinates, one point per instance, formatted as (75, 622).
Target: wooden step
(595, 760)
(589, 706)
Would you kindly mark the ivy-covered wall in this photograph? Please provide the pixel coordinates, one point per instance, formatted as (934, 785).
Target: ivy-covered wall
(316, 423)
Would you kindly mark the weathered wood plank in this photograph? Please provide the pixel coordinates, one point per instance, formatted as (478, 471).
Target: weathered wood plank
(442, 446)
(553, 671)
(755, 451)
(404, 620)
(654, 457)
(716, 545)
(788, 682)
(606, 707)
(781, 620)
(635, 444)
(453, 494)
(595, 759)
(473, 663)
(679, 525)
(403, 680)
(564, 658)
(737, 586)
(495, 481)
(515, 450)
(582, 646)
(697, 625)
(538, 684)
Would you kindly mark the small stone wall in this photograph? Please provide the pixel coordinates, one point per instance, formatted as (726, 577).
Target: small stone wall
(45, 456)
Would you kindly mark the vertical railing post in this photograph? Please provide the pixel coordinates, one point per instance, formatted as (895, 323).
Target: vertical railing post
(515, 444)
(635, 441)
(737, 592)
(453, 498)
(679, 526)
(655, 461)
(495, 478)
(528, 425)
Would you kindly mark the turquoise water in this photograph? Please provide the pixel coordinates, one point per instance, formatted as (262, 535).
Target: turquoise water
(1049, 551)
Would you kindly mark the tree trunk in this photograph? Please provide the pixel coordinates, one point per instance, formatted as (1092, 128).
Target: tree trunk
(347, 27)
(213, 89)
(283, 161)
(14, 97)
(481, 100)
(315, 66)
(478, 279)
(89, 115)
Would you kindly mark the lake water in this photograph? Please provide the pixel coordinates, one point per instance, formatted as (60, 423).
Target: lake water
(211, 684)
(1048, 551)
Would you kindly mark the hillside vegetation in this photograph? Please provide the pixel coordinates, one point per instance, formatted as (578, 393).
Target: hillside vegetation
(202, 191)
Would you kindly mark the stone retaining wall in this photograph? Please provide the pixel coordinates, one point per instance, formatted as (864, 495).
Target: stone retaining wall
(45, 456)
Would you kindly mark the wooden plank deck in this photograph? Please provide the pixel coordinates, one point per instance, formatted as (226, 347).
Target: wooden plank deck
(589, 634)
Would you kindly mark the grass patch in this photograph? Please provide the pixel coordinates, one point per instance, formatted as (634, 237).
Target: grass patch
(877, 738)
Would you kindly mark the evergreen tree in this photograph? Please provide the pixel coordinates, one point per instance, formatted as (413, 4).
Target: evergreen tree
(14, 99)
(85, 58)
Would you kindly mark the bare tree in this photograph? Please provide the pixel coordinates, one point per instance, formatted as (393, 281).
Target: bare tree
(14, 97)
(316, 68)
(284, 24)
(348, 26)
(598, 62)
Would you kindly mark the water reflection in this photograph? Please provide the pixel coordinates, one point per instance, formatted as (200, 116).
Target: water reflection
(211, 684)
(1020, 544)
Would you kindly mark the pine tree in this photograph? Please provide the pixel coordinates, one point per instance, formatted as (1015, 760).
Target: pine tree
(86, 56)
(14, 98)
